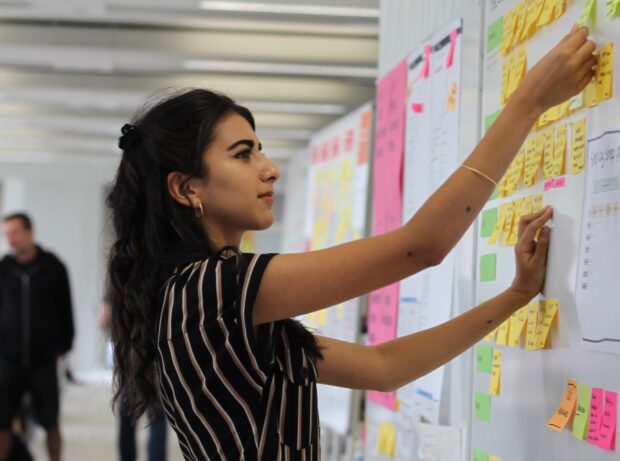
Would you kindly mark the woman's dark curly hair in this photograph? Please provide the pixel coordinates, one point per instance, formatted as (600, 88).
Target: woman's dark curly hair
(154, 233)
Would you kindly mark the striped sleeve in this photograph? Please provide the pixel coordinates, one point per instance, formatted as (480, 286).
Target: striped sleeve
(251, 271)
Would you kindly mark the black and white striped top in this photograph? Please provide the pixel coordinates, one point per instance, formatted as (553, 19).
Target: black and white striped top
(227, 397)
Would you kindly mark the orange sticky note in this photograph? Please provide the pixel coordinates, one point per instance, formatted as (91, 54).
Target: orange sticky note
(566, 409)
(578, 151)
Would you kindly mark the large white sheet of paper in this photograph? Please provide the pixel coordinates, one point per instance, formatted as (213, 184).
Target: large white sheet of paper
(597, 288)
(431, 155)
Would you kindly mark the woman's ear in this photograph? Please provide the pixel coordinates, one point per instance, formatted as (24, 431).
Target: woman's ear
(183, 190)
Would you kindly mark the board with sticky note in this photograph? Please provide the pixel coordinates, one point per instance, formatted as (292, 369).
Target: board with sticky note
(548, 380)
(336, 212)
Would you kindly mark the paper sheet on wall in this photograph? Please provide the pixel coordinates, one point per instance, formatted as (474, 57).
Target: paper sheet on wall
(336, 213)
(597, 288)
(387, 203)
(431, 155)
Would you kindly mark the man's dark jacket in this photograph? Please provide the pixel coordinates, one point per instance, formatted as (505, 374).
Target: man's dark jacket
(36, 320)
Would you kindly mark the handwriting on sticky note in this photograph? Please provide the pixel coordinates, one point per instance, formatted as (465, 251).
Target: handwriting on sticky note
(578, 152)
(607, 434)
(580, 423)
(494, 384)
(596, 415)
(566, 409)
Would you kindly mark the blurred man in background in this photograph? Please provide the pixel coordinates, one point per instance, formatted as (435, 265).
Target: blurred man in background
(36, 330)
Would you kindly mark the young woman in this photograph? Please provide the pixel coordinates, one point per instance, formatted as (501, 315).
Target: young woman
(209, 331)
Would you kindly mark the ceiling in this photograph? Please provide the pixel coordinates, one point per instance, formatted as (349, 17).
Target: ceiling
(73, 71)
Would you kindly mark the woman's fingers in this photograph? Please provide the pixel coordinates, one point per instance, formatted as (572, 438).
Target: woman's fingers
(542, 245)
(585, 51)
(527, 220)
(533, 222)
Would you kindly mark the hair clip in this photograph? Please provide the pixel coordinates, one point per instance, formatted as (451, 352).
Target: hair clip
(129, 138)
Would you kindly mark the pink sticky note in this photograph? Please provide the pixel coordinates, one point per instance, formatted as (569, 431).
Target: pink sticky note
(596, 415)
(450, 57)
(426, 68)
(607, 434)
(549, 184)
(387, 202)
(559, 182)
(417, 108)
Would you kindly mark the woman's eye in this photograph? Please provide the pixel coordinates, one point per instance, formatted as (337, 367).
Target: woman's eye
(244, 154)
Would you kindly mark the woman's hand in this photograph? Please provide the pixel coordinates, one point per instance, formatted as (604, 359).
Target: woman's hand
(531, 254)
(562, 73)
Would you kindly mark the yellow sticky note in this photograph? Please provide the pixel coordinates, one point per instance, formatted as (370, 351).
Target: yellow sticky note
(532, 320)
(546, 118)
(590, 94)
(531, 163)
(566, 409)
(546, 16)
(605, 72)
(494, 384)
(560, 150)
(513, 236)
(517, 324)
(494, 458)
(520, 22)
(506, 69)
(387, 439)
(498, 225)
(502, 334)
(578, 152)
(518, 61)
(559, 8)
(508, 222)
(549, 149)
(491, 336)
(550, 312)
(507, 32)
(537, 202)
(534, 8)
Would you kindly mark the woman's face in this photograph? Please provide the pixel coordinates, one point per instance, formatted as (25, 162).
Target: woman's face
(238, 193)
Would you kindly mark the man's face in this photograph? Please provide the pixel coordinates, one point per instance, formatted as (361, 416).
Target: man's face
(19, 238)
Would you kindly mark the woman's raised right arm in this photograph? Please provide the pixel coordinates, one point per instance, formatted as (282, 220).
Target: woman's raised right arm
(295, 284)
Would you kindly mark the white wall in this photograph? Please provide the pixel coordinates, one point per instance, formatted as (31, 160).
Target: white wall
(64, 196)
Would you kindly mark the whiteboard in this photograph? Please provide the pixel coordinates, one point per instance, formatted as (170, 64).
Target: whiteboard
(532, 382)
(335, 212)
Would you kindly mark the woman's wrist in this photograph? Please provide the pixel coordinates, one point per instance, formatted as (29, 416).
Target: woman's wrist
(518, 297)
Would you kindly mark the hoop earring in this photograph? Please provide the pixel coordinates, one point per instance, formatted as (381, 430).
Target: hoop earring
(198, 212)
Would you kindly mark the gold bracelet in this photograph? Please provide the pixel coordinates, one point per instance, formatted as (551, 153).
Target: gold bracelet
(480, 173)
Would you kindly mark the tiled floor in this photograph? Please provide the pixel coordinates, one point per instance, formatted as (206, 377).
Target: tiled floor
(89, 427)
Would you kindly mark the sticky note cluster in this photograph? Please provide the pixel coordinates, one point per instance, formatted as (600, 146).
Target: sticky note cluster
(530, 326)
(506, 229)
(593, 412)
(526, 18)
(513, 71)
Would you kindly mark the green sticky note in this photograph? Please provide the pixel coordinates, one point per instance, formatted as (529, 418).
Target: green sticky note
(484, 358)
(580, 423)
(613, 9)
(495, 193)
(488, 267)
(490, 120)
(482, 406)
(480, 455)
(588, 16)
(494, 34)
(489, 220)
